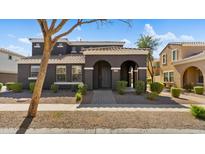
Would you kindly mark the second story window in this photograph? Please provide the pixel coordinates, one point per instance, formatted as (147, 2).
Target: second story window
(60, 45)
(61, 73)
(36, 45)
(73, 50)
(174, 55)
(34, 70)
(164, 59)
(10, 57)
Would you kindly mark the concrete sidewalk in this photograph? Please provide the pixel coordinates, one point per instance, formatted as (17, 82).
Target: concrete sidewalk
(96, 107)
(102, 131)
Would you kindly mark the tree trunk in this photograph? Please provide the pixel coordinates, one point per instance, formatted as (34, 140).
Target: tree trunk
(41, 77)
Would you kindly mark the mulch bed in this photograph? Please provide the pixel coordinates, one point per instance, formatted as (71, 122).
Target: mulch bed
(92, 119)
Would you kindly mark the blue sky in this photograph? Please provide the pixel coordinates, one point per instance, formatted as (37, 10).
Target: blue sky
(14, 34)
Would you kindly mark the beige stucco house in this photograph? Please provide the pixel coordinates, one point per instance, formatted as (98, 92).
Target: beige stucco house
(183, 63)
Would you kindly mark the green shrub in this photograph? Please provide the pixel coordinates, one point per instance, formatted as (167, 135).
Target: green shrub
(199, 90)
(121, 86)
(149, 80)
(54, 88)
(152, 96)
(1, 85)
(82, 88)
(78, 96)
(175, 92)
(31, 86)
(139, 87)
(198, 111)
(16, 87)
(188, 87)
(156, 87)
(8, 85)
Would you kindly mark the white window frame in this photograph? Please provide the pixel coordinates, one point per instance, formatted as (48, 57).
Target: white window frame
(37, 45)
(81, 72)
(174, 51)
(36, 66)
(65, 73)
(60, 45)
(168, 76)
(165, 59)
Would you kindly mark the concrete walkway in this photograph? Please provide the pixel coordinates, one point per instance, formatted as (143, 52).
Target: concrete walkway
(96, 107)
(103, 97)
(102, 131)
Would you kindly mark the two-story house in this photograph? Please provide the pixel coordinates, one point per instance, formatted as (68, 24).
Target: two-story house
(8, 65)
(99, 64)
(183, 63)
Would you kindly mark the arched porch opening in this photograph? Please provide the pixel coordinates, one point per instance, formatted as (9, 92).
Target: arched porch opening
(129, 72)
(193, 76)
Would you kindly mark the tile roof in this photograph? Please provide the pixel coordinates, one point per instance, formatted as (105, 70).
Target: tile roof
(62, 59)
(115, 51)
(187, 43)
(6, 51)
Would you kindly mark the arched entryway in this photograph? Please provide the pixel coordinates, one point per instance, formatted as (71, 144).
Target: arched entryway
(102, 75)
(128, 72)
(193, 76)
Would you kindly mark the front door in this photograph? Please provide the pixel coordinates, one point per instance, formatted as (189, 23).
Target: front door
(106, 76)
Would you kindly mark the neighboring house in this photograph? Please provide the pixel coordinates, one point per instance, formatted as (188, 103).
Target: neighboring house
(99, 64)
(183, 63)
(8, 65)
(156, 69)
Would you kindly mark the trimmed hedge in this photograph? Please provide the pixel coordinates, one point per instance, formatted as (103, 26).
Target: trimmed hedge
(16, 87)
(175, 92)
(1, 85)
(121, 86)
(78, 96)
(199, 90)
(82, 88)
(8, 85)
(54, 88)
(198, 111)
(152, 96)
(156, 87)
(139, 87)
(31, 86)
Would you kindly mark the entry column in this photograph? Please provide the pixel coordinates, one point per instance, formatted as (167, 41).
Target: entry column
(115, 76)
(89, 77)
(142, 73)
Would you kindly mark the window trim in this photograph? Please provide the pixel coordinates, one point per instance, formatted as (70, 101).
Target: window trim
(31, 72)
(65, 73)
(37, 45)
(168, 76)
(176, 51)
(81, 73)
(60, 45)
(165, 59)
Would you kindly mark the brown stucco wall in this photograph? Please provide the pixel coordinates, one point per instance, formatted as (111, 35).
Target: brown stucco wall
(8, 77)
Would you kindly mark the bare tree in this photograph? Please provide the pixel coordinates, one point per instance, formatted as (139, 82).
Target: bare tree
(51, 34)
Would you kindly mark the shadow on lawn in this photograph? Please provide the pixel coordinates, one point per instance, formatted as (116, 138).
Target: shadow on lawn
(24, 125)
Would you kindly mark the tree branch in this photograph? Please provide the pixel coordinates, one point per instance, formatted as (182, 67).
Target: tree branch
(52, 24)
(59, 26)
(40, 21)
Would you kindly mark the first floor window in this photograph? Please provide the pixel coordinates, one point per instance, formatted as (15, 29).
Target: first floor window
(168, 76)
(76, 73)
(166, 79)
(60, 73)
(34, 70)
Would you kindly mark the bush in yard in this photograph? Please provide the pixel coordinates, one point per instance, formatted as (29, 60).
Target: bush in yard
(1, 85)
(16, 87)
(149, 80)
(198, 111)
(8, 85)
(78, 96)
(152, 96)
(31, 86)
(175, 92)
(54, 88)
(139, 87)
(188, 87)
(199, 90)
(156, 87)
(82, 88)
(121, 86)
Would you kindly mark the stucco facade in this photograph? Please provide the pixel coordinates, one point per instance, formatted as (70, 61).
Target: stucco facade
(189, 55)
